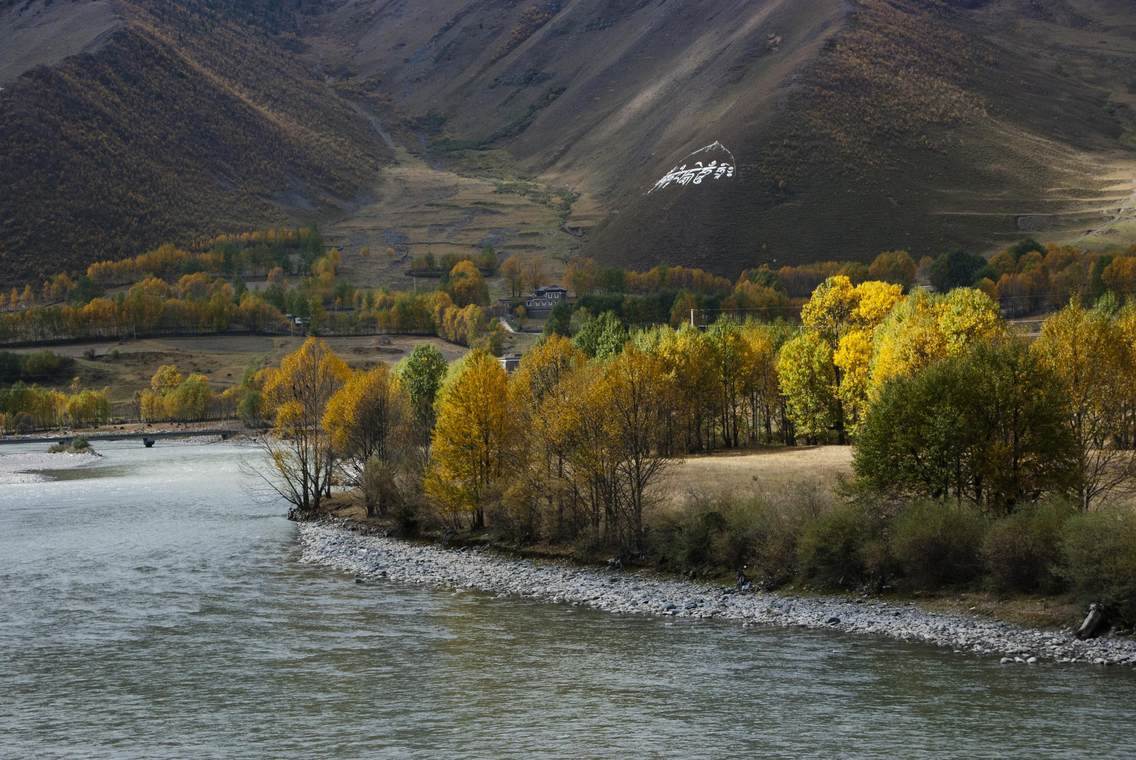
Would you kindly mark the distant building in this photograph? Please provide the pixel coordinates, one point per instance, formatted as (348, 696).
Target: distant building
(545, 299)
(510, 362)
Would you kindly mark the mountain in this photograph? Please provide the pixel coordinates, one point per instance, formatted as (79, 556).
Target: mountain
(547, 125)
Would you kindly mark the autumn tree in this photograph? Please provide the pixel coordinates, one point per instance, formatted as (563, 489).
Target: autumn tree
(926, 327)
(300, 450)
(1087, 351)
(895, 267)
(538, 475)
(824, 371)
(367, 420)
(513, 272)
(639, 393)
(471, 439)
(466, 285)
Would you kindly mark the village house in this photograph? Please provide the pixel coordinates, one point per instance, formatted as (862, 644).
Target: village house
(510, 362)
(545, 299)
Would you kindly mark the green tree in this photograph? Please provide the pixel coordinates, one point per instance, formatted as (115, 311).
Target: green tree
(956, 269)
(601, 337)
(421, 375)
(986, 427)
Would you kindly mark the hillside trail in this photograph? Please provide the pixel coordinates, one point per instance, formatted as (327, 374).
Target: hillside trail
(419, 205)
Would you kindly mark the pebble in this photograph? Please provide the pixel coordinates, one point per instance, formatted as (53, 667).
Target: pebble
(333, 544)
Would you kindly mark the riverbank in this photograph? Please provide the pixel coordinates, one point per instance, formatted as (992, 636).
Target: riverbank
(334, 544)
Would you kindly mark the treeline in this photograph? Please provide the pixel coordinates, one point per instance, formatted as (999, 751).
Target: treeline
(26, 408)
(168, 299)
(1026, 278)
(170, 397)
(979, 459)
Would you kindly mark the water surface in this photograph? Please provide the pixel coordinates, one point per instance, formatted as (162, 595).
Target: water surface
(152, 607)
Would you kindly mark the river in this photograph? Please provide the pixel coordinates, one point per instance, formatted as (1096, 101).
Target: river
(154, 606)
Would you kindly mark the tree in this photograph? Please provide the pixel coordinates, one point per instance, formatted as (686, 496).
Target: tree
(513, 273)
(559, 320)
(895, 267)
(1087, 352)
(421, 375)
(806, 374)
(300, 449)
(956, 269)
(841, 317)
(639, 393)
(366, 420)
(926, 327)
(466, 285)
(538, 475)
(601, 337)
(471, 439)
(985, 426)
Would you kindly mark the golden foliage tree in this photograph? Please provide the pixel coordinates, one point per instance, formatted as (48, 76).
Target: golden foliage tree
(368, 420)
(1087, 351)
(300, 449)
(472, 438)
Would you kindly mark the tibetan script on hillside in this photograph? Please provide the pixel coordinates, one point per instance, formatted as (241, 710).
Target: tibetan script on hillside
(697, 172)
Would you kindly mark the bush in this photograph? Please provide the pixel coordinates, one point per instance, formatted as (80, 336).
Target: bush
(1023, 551)
(381, 493)
(23, 423)
(730, 535)
(1099, 552)
(936, 544)
(840, 549)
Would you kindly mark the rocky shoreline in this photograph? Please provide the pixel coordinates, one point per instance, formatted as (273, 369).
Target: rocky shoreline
(335, 544)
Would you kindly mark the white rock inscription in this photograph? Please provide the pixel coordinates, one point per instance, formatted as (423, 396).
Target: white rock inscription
(687, 174)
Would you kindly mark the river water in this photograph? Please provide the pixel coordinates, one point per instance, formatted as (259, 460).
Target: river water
(153, 605)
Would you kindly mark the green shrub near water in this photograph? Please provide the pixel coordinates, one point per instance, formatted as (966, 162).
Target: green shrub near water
(842, 549)
(937, 544)
(1099, 551)
(1023, 551)
(753, 535)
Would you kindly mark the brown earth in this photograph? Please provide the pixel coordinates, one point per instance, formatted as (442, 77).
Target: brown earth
(444, 125)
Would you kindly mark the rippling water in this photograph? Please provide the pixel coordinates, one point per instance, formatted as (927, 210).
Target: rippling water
(151, 607)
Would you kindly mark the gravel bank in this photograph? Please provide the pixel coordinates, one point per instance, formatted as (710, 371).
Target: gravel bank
(20, 469)
(638, 593)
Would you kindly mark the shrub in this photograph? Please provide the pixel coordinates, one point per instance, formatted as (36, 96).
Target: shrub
(683, 539)
(730, 535)
(1099, 551)
(838, 549)
(381, 493)
(23, 423)
(1023, 551)
(936, 544)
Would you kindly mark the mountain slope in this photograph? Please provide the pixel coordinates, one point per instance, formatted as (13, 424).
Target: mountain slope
(850, 127)
(181, 122)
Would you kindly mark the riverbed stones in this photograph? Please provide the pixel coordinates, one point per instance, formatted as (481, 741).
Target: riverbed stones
(640, 592)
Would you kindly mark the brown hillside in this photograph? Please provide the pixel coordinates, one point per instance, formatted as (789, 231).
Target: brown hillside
(181, 122)
(855, 126)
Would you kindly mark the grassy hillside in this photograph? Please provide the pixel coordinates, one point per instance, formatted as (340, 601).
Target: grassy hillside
(184, 121)
(541, 125)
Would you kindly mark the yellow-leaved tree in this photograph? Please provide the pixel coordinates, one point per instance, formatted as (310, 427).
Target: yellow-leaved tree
(926, 327)
(824, 371)
(368, 420)
(1087, 351)
(299, 449)
(537, 475)
(472, 439)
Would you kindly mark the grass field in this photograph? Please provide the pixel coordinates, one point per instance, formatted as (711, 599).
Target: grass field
(771, 474)
(126, 366)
